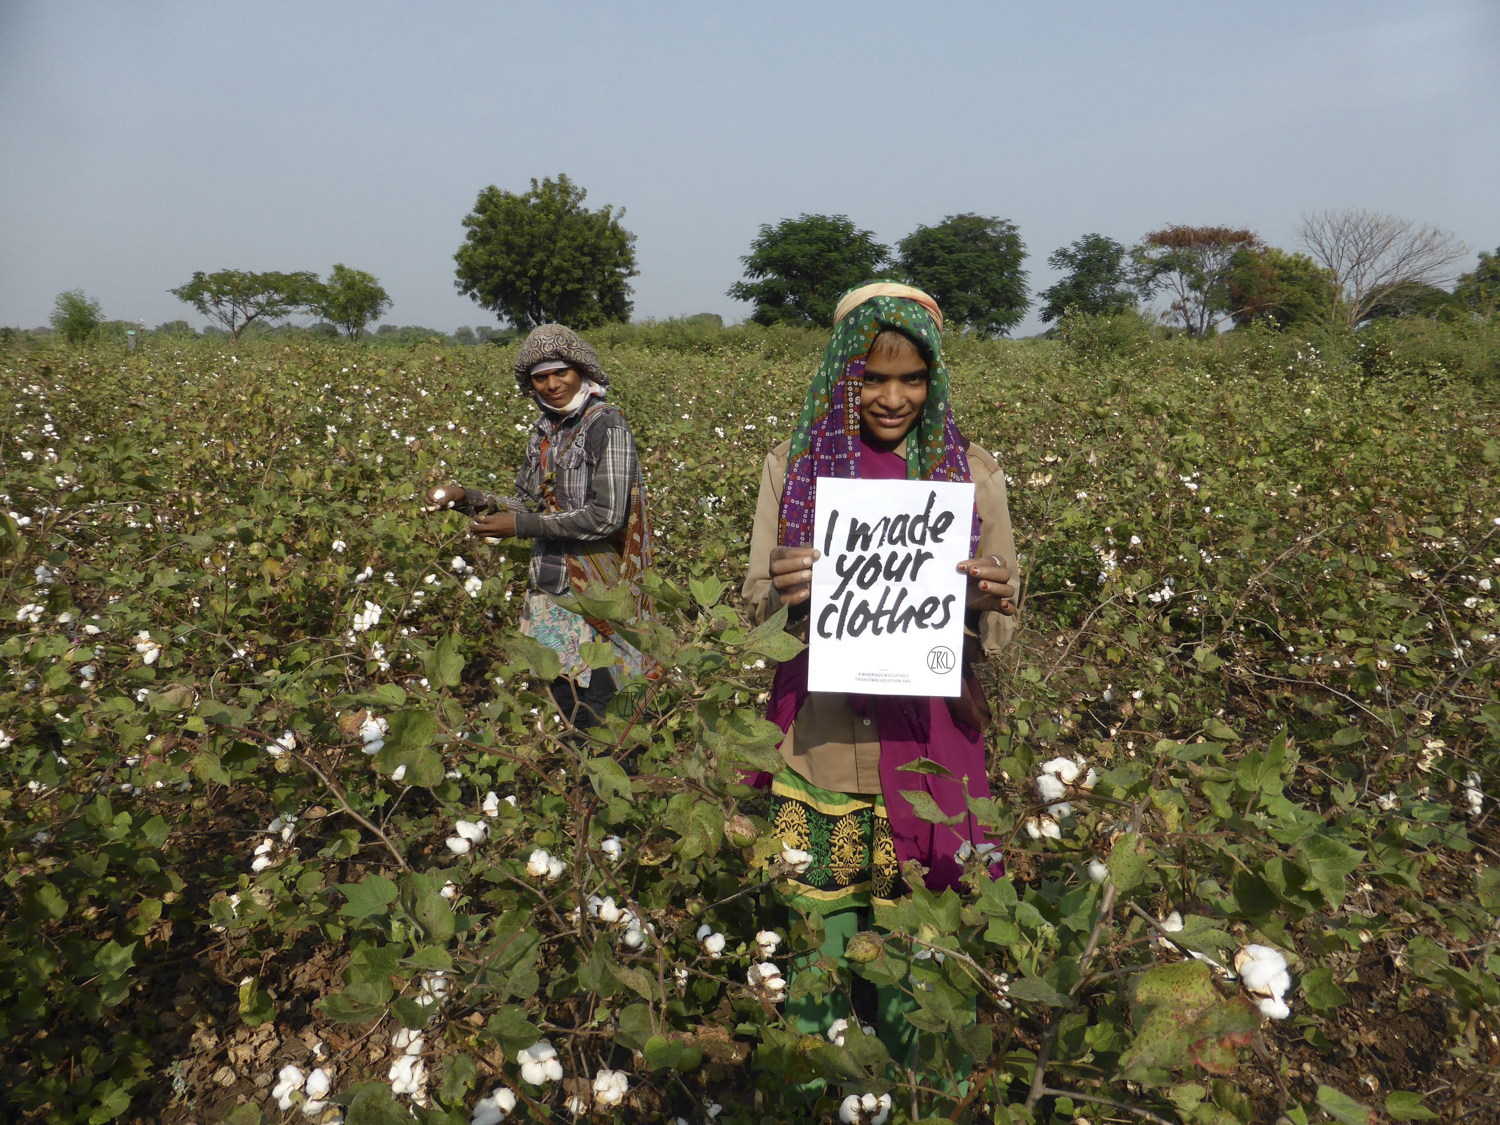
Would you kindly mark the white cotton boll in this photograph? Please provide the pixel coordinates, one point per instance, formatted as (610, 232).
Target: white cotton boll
(766, 942)
(537, 864)
(850, 1110)
(1473, 794)
(472, 585)
(882, 1110)
(555, 869)
(634, 937)
(1064, 769)
(1388, 803)
(1062, 810)
(407, 1040)
(610, 1087)
(1089, 779)
(399, 772)
(1050, 787)
(1172, 923)
(458, 845)
(1097, 871)
(511, 801)
(796, 859)
(491, 806)
(578, 1107)
(713, 943)
(1273, 1008)
(449, 891)
(474, 830)
(495, 1108)
(289, 1080)
(318, 1083)
(836, 1031)
(613, 848)
(408, 1075)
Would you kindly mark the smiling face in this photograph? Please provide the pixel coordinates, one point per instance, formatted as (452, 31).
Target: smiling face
(894, 389)
(556, 388)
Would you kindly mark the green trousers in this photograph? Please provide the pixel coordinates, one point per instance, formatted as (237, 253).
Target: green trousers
(813, 1016)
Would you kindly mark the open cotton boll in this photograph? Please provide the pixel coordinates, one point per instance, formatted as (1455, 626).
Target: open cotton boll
(407, 1041)
(540, 1064)
(491, 806)
(288, 1081)
(1097, 871)
(495, 1108)
(766, 942)
(318, 1083)
(1050, 787)
(537, 863)
(408, 1075)
(1064, 769)
(471, 830)
(795, 858)
(1273, 1008)
(613, 848)
(605, 910)
(610, 1087)
(458, 845)
(712, 942)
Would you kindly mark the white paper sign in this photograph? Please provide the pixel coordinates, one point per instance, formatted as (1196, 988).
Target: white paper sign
(887, 608)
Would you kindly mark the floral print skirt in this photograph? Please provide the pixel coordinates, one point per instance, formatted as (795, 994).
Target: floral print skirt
(849, 838)
(565, 633)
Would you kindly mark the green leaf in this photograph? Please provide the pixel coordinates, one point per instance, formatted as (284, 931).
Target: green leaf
(926, 808)
(707, 591)
(343, 1008)
(368, 898)
(1343, 1108)
(1403, 1105)
(1037, 991)
(608, 778)
(925, 766)
(597, 654)
(1329, 863)
(409, 744)
(1127, 862)
(542, 661)
(511, 1027)
(1320, 990)
(633, 1026)
(1219, 731)
(444, 663)
(255, 1006)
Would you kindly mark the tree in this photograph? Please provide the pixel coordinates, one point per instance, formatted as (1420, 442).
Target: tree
(1097, 282)
(75, 317)
(239, 298)
(541, 257)
(1370, 255)
(1193, 265)
(972, 266)
(1270, 286)
(1479, 289)
(798, 269)
(350, 299)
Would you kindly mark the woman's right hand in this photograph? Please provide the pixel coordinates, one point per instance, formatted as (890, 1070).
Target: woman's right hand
(444, 497)
(791, 573)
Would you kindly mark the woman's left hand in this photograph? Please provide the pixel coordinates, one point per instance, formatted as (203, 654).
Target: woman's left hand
(990, 589)
(498, 525)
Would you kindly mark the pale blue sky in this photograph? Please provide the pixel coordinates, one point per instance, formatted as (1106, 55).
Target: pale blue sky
(142, 141)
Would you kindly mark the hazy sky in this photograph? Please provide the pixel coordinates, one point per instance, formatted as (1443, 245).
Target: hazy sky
(142, 141)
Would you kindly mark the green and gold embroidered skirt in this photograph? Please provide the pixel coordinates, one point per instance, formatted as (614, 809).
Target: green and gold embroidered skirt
(849, 837)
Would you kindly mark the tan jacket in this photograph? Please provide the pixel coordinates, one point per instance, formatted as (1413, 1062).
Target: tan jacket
(829, 744)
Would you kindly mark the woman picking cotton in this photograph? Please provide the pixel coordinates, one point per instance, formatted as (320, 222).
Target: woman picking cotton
(876, 410)
(582, 503)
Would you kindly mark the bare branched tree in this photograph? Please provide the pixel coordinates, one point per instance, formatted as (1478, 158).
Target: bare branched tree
(1370, 255)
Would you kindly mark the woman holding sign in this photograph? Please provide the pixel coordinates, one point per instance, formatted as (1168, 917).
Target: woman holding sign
(582, 504)
(878, 410)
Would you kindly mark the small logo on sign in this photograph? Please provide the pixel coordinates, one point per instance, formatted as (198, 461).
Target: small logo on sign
(940, 659)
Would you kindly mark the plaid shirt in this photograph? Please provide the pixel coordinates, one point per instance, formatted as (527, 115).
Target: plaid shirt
(591, 462)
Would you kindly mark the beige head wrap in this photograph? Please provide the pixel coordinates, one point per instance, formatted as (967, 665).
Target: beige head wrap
(856, 297)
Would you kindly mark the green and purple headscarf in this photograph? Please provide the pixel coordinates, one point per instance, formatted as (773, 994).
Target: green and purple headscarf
(826, 441)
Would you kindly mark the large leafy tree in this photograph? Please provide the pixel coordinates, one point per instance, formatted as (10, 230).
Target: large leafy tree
(1096, 279)
(541, 257)
(972, 265)
(1270, 286)
(797, 270)
(236, 299)
(351, 299)
(75, 317)
(1479, 289)
(1192, 265)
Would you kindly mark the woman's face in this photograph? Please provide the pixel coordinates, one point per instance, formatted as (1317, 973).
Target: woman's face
(894, 390)
(557, 388)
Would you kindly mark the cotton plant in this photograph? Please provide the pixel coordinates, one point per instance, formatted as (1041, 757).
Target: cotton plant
(610, 1087)
(278, 747)
(1263, 973)
(149, 649)
(765, 978)
(839, 1029)
(1059, 779)
(613, 848)
(372, 734)
(711, 940)
(542, 864)
(466, 833)
(865, 1109)
(540, 1064)
(367, 618)
(494, 1109)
